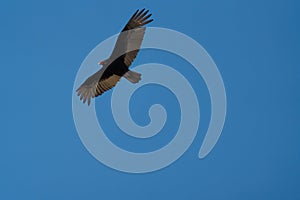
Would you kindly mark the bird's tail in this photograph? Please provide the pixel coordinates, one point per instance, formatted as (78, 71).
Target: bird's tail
(132, 76)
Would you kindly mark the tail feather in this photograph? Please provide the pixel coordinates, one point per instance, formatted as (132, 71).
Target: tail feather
(133, 77)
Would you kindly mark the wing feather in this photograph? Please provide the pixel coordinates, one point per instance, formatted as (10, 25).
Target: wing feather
(131, 37)
(93, 88)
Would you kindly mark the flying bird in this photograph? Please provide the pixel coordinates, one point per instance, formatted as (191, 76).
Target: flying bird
(117, 65)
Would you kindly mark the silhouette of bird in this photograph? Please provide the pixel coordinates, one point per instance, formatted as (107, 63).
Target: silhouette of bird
(117, 65)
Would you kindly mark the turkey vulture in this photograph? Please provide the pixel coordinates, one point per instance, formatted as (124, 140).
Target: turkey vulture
(117, 65)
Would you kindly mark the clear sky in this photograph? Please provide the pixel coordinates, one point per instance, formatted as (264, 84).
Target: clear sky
(255, 45)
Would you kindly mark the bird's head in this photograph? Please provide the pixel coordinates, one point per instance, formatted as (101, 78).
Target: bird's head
(103, 62)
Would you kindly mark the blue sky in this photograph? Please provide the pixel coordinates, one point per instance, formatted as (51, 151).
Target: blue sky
(256, 46)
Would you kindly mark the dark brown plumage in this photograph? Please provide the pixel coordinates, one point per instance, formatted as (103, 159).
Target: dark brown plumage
(116, 66)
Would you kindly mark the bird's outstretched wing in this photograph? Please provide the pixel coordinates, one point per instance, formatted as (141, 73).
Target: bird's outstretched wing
(96, 85)
(131, 37)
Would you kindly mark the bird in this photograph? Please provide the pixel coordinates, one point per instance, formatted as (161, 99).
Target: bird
(117, 65)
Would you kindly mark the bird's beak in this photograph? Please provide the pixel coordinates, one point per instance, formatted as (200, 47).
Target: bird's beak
(100, 63)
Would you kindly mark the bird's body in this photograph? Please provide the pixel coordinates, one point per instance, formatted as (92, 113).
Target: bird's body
(117, 65)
